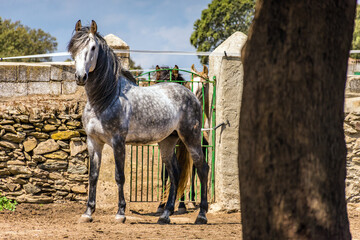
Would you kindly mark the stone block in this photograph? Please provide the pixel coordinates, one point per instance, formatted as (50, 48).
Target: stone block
(13, 187)
(39, 135)
(49, 128)
(30, 143)
(34, 72)
(8, 128)
(31, 189)
(53, 165)
(8, 73)
(16, 162)
(9, 145)
(3, 165)
(44, 88)
(10, 89)
(46, 147)
(65, 135)
(4, 172)
(69, 87)
(79, 189)
(77, 169)
(57, 155)
(77, 147)
(17, 169)
(34, 199)
(17, 138)
(55, 176)
(62, 72)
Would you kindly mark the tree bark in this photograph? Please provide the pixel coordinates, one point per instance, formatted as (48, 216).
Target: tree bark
(292, 163)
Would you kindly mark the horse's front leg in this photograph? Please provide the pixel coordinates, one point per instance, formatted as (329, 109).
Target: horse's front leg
(119, 155)
(95, 149)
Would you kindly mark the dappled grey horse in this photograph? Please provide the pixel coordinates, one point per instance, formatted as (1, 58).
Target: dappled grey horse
(119, 112)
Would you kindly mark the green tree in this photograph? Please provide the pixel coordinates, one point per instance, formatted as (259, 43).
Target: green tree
(356, 34)
(18, 40)
(221, 19)
(133, 66)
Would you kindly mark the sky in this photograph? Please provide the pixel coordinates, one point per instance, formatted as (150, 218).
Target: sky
(143, 24)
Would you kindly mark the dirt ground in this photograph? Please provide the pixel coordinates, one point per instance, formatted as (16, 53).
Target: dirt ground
(60, 221)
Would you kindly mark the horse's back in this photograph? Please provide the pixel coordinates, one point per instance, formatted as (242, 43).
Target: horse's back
(158, 110)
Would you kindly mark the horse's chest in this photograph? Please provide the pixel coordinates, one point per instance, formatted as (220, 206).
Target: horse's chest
(94, 127)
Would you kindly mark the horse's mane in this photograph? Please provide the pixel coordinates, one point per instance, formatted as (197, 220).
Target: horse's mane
(108, 69)
(127, 74)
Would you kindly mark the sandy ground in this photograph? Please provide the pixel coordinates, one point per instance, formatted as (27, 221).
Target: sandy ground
(60, 221)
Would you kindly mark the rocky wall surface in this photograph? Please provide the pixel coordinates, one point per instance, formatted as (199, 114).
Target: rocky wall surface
(43, 155)
(352, 138)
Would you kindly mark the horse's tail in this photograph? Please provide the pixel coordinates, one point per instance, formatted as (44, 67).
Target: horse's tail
(185, 164)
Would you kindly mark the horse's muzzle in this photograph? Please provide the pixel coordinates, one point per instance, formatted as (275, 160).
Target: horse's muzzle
(81, 80)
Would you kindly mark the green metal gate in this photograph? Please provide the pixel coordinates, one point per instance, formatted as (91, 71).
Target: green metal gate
(145, 164)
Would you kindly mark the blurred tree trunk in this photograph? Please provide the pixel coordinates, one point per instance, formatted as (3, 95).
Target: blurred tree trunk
(292, 151)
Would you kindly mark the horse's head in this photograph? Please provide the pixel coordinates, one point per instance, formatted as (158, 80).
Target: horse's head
(199, 78)
(84, 49)
(163, 74)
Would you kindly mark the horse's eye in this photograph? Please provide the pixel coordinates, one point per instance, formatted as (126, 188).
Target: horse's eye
(93, 48)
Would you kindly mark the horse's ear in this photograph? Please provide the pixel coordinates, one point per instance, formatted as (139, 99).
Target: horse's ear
(157, 73)
(78, 25)
(205, 70)
(175, 72)
(93, 28)
(193, 68)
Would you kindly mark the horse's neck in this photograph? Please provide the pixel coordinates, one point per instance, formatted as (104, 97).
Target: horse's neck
(125, 84)
(197, 85)
(101, 90)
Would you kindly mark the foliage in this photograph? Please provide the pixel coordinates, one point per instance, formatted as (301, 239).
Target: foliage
(221, 19)
(356, 35)
(133, 66)
(6, 203)
(18, 40)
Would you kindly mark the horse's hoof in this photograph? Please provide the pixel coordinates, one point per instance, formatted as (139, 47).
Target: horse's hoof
(182, 210)
(201, 219)
(85, 219)
(159, 211)
(163, 220)
(120, 218)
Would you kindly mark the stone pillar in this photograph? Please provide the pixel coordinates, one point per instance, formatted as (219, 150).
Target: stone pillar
(228, 71)
(117, 43)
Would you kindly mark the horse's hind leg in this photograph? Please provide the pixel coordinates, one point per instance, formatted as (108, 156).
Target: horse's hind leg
(119, 155)
(95, 149)
(193, 144)
(164, 177)
(182, 206)
(192, 202)
(167, 148)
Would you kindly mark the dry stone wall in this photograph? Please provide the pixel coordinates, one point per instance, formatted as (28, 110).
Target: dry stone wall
(43, 155)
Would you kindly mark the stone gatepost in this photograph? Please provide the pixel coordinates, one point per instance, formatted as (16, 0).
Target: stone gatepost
(117, 43)
(229, 73)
